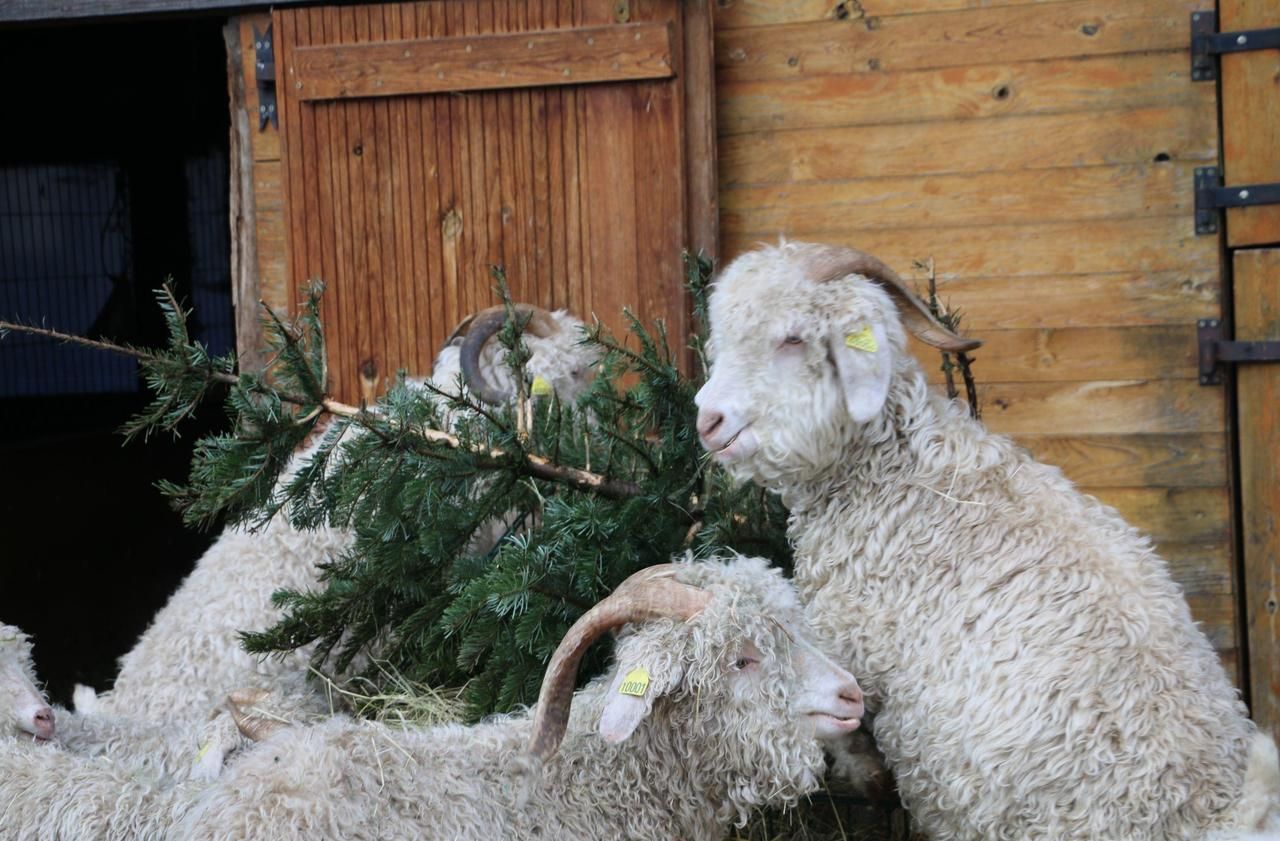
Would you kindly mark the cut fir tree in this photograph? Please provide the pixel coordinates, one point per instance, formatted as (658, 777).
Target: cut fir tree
(584, 494)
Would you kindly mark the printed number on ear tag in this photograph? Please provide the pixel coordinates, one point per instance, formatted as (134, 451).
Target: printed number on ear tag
(862, 340)
(635, 683)
(540, 387)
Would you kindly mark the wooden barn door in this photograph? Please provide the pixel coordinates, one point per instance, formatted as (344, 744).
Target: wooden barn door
(424, 142)
(1251, 155)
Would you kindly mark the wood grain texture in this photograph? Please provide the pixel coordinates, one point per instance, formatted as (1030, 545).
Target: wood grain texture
(1251, 121)
(993, 198)
(1118, 299)
(1153, 244)
(1135, 460)
(402, 204)
(897, 42)
(1104, 407)
(395, 67)
(1087, 138)
(1076, 354)
(990, 90)
(1257, 313)
(731, 14)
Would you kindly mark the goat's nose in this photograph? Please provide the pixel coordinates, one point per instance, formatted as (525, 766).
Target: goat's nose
(44, 723)
(852, 693)
(709, 421)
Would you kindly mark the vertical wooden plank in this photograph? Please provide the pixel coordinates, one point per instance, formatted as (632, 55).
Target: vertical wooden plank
(1251, 120)
(502, 124)
(1257, 317)
(283, 25)
(557, 180)
(427, 315)
(454, 224)
(325, 215)
(659, 195)
(398, 338)
(340, 295)
(244, 240)
(700, 167)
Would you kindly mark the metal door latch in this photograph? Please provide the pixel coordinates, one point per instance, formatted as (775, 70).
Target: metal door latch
(1211, 197)
(1207, 43)
(1215, 352)
(264, 64)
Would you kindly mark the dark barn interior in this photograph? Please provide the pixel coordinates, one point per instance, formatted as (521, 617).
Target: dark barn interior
(113, 176)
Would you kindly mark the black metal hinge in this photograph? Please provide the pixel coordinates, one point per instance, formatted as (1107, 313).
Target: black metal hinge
(264, 63)
(1211, 197)
(1207, 43)
(1216, 351)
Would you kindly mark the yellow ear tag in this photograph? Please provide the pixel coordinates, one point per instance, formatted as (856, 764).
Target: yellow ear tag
(862, 340)
(203, 750)
(540, 387)
(635, 683)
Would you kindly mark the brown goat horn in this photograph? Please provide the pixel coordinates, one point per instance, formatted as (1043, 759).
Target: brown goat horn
(483, 325)
(836, 263)
(651, 593)
(253, 727)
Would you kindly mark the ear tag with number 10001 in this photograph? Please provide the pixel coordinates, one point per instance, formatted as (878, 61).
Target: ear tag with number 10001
(635, 683)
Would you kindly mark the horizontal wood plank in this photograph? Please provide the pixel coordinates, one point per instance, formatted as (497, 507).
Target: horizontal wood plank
(1201, 568)
(1106, 407)
(994, 198)
(1173, 515)
(1079, 353)
(1034, 87)
(971, 36)
(738, 13)
(1135, 460)
(1153, 244)
(1216, 616)
(483, 62)
(1094, 300)
(1090, 138)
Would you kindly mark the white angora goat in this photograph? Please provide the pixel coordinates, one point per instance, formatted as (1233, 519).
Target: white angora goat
(1035, 672)
(24, 712)
(184, 663)
(712, 707)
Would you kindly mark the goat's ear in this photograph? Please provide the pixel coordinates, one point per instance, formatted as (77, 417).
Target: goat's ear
(629, 699)
(863, 365)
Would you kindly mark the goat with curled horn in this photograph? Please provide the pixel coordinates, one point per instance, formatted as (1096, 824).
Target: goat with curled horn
(713, 705)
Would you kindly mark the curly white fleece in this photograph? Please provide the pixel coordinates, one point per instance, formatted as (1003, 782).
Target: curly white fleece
(710, 750)
(1037, 672)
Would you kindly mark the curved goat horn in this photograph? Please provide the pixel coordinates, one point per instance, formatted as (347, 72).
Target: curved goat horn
(253, 727)
(483, 325)
(835, 263)
(651, 593)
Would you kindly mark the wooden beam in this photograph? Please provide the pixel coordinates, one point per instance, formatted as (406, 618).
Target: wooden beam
(482, 62)
(1257, 313)
(61, 10)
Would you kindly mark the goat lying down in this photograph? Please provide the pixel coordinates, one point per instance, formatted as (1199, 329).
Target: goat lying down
(713, 706)
(1034, 670)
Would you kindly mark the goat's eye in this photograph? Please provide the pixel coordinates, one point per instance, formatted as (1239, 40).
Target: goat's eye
(793, 339)
(744, 663)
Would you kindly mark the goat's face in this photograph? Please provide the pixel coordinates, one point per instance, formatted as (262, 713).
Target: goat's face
(797, 360)
(741, 684)
(21, 703)
(561, 360)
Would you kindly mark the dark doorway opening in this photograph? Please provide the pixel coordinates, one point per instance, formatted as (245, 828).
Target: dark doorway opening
(113, 177)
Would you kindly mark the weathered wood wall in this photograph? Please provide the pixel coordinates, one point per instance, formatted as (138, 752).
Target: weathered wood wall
(1041, 153)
